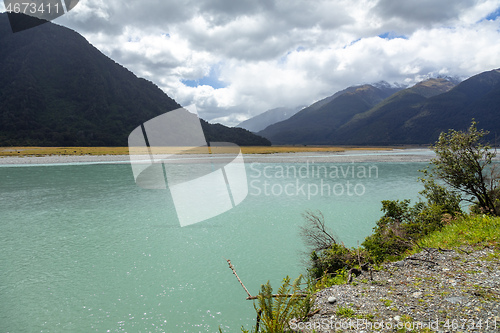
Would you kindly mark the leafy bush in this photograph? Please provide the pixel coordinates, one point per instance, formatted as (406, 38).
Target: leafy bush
(464, 164)
(403, 225)
(332, 260)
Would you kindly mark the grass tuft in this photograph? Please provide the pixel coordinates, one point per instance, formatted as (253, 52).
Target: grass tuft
(476, 231)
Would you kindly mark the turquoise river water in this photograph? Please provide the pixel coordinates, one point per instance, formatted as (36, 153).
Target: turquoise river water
(83, 249)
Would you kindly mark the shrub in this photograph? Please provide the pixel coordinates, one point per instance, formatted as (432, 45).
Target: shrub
(332, 260)
(403, 225)
(464, 164)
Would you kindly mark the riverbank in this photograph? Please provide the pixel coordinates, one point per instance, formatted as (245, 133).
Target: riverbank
(344, 156)
(450, 284)
(435, 290)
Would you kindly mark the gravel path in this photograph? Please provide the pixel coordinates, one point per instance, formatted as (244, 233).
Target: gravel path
(433, 291)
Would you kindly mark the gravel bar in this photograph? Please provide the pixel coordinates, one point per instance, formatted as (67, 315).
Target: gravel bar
(348, 156)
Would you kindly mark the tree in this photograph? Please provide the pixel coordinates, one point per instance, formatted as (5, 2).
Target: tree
(464, 163)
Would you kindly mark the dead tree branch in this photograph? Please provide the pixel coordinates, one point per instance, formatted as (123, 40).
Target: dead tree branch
(250, 297)
(234, 272)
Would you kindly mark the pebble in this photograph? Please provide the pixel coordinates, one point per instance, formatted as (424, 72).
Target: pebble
(332, 300)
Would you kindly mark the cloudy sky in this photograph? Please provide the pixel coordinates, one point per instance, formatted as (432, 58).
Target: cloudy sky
(237, 58)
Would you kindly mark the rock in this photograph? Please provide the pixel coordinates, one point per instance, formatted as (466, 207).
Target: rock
(417, 294)
(332, 300)
(397, 318)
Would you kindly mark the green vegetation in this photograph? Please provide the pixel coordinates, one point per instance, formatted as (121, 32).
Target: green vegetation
(328, 280)
(344, 312)
(274, 312)
(475, 231)
(387, 302)
(402, 226)
(464, 164)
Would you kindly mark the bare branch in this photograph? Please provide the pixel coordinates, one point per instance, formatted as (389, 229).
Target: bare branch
(315, 233)
(234, 272)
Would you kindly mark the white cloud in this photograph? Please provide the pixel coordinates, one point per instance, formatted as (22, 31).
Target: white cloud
(269, 54)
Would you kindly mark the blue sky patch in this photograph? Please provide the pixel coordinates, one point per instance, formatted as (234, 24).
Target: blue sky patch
(391, 35)
(494, 15)
(210, 80)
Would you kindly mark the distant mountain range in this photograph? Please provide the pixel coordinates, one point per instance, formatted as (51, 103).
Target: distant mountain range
(269, 117)
(378, 115)
(314, 124)
(56, 89)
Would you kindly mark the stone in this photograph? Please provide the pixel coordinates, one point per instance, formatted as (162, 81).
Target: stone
(332, 300)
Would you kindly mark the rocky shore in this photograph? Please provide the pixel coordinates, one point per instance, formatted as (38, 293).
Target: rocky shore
(432, 291)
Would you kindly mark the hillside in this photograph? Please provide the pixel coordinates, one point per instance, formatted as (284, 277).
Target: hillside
(269, 117)
(410, 117)
(378, 124)
(316, 123)
(380, 115)
(56, 89)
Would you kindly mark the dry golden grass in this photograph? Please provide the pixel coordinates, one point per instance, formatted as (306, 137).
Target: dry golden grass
(43, 151)
(288, 149)
(303, 149)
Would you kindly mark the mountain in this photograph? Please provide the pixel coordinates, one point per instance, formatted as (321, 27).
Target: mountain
(386, 118)
(261, 121)
(56, 89)
(432, 87)
(414, 116)
(318, 122)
